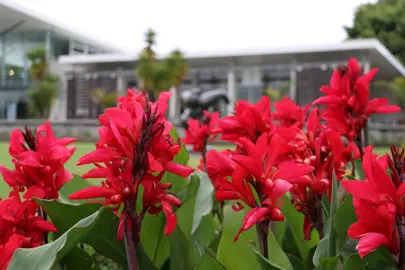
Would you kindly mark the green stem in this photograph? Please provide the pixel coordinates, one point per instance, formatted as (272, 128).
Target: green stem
(333, 208)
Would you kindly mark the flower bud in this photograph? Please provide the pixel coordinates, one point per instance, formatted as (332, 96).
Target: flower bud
(276, 215)
(116, 199)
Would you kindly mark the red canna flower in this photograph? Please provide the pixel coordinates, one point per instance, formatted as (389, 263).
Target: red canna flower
(375, 227)
(348, 100)
(323, 149)
(39, 162)
(249, 121)
(290, 114)
(156, 198)
(19, 217)
(135, 148)
(256, 168)
(379, 205)
(201, 131)
(7, 250)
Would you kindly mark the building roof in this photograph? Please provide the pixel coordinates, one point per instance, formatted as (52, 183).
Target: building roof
(12, 13)
(370, 49)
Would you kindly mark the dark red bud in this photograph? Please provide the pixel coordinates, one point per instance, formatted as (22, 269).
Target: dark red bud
(116, 199)
(277, 215)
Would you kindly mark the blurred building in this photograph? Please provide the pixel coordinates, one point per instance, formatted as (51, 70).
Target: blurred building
(245, 74)
(21, 30)
(86, 64)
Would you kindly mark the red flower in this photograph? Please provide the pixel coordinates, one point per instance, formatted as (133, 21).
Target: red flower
(379, 204)
(375, 227)
(348, 100)
(324, 150)
(156, 198)
(136, 149)
(201, 131)
(249, 121)
(290, 114)
(38, 162)
(7, 250)
(19, 217)
(255, 169)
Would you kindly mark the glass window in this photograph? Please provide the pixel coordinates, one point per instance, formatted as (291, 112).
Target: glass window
(14, 58)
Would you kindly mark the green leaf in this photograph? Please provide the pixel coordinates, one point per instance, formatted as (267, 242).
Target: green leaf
(185, 214)
(264, 263)
(277, 258)
(204, 203)
(359, 170)
(276, 254)
(333, 208)
(102, 239)
(44, 257)
(296, 262)
(181, 254)
(238, 255)
(353, 262)
(208, 260)
(345, 216)
(77, 259)
(328, 263)
(296, 222)
(155, 243)
(321, 251)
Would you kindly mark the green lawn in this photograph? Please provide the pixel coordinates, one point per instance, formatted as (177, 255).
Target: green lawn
(83, 148)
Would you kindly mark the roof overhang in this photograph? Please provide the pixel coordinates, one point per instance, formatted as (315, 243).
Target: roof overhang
(371, 50)
(12, 13)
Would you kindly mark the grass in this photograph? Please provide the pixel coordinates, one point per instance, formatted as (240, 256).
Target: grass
(83, 148)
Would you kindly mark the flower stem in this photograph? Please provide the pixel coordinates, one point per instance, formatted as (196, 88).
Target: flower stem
(319, 217)
(42, 214)
(262, 230)
(130, 242)
(401, 255)
(204, 155)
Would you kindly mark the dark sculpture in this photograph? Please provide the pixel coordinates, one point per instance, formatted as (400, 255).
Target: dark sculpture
(194, 101)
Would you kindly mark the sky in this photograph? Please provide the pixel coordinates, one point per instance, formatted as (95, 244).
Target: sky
(204, 26)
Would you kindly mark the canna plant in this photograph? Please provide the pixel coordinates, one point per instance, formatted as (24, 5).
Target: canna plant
(284, 197)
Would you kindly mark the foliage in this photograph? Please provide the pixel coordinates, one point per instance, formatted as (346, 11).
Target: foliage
(284, 198)
(45, 85)
(157, 76)
(104, 100)
(383, 20)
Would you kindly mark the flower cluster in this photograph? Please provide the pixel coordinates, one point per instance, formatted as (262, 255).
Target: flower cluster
(348, 100)
(135, 149)
(286, 151)
(378, 202)
(38, 172)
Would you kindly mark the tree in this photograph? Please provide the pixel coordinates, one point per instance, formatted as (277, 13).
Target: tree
(44, 87)
(384, 20)
(157, 76)
(103, 99)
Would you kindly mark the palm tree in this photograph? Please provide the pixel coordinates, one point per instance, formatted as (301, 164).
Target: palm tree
(177, 68)
(147, 62)
(159, 76)
(397, 87)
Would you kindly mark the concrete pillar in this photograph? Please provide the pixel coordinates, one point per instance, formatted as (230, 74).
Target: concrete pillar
(48, 44)
(293, 80)
(26, 67)
(3, 61)
(173, 104)
(121, 83)
(231, 88)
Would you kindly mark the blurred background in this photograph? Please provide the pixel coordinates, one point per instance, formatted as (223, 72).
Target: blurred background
(67, 60)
